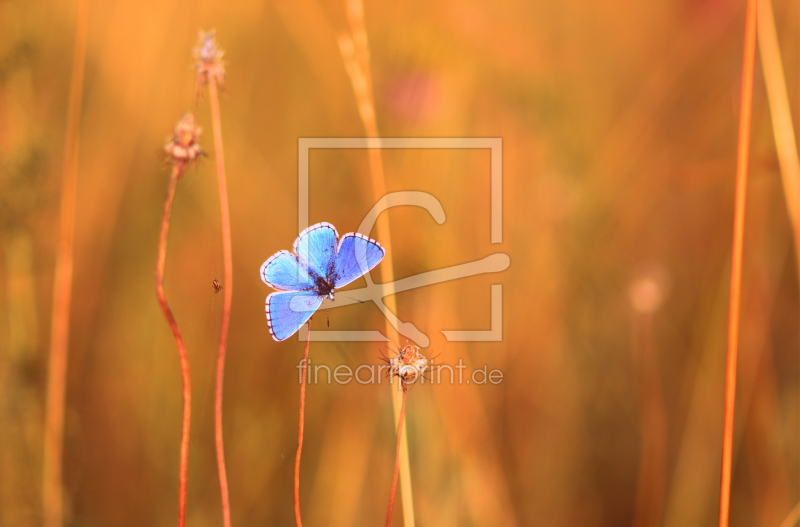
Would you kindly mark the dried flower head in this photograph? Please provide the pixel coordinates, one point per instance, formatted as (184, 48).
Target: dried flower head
(183, 146)
(208, 57)
(407, 365)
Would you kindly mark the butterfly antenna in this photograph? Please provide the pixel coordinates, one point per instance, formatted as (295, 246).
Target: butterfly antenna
(351, 298)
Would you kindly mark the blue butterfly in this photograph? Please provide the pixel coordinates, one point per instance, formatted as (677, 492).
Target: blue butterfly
(321, 263)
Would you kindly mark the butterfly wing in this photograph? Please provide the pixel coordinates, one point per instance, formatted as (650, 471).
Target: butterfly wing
(357, 254)
(317, 246)
(284, 271)
(288, 310)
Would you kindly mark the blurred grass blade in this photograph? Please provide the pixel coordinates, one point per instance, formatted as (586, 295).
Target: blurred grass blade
(781, 114)
(742, 159)
(52, 489)
(792, 518)
(355, 54)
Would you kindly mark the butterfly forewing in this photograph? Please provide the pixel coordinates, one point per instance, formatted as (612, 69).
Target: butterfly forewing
(317, 246)
(357, 254)
(284, 271)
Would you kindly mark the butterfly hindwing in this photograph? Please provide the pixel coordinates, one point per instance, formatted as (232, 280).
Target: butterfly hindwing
(357, 254)
(317, 246)
(287, 311)
(284, 271)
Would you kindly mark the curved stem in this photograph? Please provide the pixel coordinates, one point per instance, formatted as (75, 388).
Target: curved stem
(227, 260)
(745, 110)
(177, 170)
(300, 428)
(400, 421)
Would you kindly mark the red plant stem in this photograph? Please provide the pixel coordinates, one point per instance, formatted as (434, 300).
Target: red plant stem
(227, 260)
(52, 462)
(400, 421)
(745, 110)
(177, 170)
(300, 427)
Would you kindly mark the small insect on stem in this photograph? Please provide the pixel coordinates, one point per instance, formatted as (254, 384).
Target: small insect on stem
(217, 286)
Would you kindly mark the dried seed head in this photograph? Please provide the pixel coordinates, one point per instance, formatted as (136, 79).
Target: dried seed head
(183, 146)
(208, 59)
(408, 364)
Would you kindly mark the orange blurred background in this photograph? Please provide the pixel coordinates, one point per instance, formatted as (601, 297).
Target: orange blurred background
(618, 122)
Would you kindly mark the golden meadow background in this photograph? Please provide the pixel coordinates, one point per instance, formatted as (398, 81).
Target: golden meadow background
(618, 122)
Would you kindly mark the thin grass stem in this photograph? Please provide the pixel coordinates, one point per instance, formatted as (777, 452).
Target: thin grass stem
(742, 159)
(177, 170)
(355, 55)
(227, 260)
(52, 463)
(300, 430)
(400, 421)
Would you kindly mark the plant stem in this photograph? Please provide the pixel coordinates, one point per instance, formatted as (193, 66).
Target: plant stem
(177, 170)
(355, 55)
(227, 258)
(400, 421)
(300, 428)
(52, 486)
(745, 110)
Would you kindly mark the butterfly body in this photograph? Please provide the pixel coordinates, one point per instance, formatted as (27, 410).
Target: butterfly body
(321, 263)
(324, 288)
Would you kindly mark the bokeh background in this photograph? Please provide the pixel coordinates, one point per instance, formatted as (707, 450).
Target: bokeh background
(618, 122)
